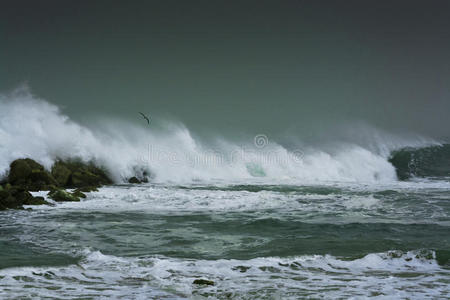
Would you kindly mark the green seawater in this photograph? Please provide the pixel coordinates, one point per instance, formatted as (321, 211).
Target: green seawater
(252, 241)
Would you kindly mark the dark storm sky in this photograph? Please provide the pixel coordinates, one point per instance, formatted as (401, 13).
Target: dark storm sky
(256, 66)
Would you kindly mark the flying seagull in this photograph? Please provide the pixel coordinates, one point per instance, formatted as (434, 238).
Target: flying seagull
(146, 118)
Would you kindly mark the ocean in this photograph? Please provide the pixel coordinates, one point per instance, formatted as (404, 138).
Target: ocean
(256, 218)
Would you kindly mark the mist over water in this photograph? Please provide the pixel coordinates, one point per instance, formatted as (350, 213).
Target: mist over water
(170, 152)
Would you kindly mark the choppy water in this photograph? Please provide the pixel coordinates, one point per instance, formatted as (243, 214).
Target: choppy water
(254, 241)
(263, 219)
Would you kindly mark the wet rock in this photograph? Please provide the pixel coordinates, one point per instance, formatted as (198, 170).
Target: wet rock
(7, 201)
(63, 196)
(20, 170)
(81, 174)
(40, 181)
(21, 196)
(36, 201)
(203, 282)
(134, 180)
(61, 173)
(79, 194)
(87, 189)
(29, 175)
(83, 178)
(16, 197)
(141, 173)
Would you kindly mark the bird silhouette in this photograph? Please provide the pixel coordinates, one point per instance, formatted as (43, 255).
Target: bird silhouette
(146, 118)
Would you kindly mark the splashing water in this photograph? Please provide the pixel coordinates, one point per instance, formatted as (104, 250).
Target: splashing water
(32, 127)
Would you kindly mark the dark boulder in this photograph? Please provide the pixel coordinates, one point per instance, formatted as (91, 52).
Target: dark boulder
(29, 175)
(87, 189)
(40, 181)
(16, 197)
(141, 173)
(203, 282)
(134, 180)
(75, 174)
(83, 178)
(62, 196)
(61, 173)
(21, 169)
(79, 194)
(7, 200)
(21, 196)
(37, 201)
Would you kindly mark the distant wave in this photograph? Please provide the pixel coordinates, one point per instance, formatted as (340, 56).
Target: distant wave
(32, 127)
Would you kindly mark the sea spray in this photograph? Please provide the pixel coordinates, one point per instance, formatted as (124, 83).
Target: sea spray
(32, 127)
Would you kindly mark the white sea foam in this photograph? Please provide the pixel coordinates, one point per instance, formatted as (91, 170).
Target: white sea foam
(351, 203)
(32, 127)
(391, 274)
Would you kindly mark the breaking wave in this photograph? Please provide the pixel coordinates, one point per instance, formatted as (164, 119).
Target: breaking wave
(432, 161)
(32, 127)
(415, 274)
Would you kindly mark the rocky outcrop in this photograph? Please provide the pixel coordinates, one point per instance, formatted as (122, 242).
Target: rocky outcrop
(134, 179)
(75, 174)
(27, 175)
(61, 173)
(60, 195)
(16, 197)
(141, 175)
(137, 180)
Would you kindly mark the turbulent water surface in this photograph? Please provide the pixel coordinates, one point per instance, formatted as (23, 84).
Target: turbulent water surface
(268, 222)
(253, 241)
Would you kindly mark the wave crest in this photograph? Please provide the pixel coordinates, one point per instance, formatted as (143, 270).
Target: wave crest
(31, 127)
